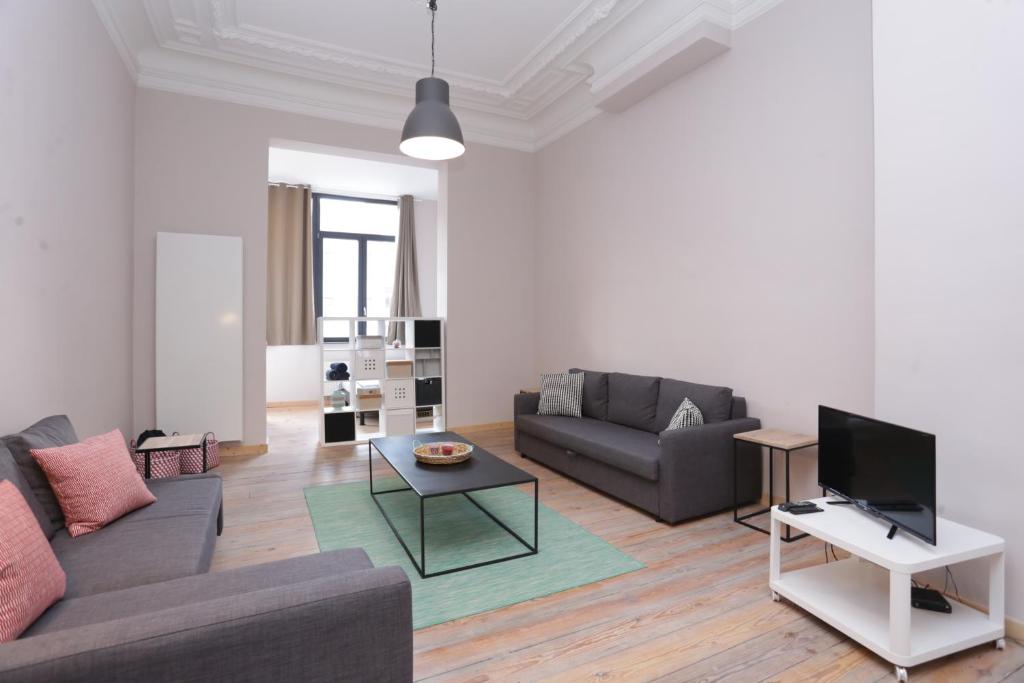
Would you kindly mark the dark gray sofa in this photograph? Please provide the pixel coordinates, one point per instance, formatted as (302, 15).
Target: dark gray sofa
(140, 604)
(620, 445)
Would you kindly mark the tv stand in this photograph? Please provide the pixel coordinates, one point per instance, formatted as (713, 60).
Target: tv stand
(867, 596)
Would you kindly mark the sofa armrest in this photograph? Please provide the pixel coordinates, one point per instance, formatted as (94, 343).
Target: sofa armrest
(526, 403)
(355, 626)
(696, 469)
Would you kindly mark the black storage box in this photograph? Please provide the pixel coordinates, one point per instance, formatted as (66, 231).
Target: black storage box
(428, 391)
(427, 333)
(339, 427)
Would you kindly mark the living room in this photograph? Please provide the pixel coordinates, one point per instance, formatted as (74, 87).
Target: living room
(753, 224)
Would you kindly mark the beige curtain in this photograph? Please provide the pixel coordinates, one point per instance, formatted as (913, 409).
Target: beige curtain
(290, 313)
(405, 296)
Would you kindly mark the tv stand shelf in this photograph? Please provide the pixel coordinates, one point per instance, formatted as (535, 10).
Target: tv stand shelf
(867, 596)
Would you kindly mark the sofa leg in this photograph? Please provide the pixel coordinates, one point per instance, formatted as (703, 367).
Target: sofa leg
(220, 519)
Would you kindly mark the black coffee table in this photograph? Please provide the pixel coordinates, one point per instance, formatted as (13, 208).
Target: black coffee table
(482, 471)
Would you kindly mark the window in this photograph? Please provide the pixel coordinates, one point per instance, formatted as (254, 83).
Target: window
(353, 259)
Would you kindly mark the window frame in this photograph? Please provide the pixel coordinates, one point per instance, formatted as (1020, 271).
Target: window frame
(361, 239)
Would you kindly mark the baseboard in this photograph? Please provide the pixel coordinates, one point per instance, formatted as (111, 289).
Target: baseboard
(1014, 627)
(293, 404)
(482, 427)
(233, 449)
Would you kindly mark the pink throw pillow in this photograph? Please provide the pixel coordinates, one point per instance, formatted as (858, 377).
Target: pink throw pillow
(95, 481)
(30, 577)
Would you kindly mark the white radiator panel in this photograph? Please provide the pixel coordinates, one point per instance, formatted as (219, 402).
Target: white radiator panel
(199, 334)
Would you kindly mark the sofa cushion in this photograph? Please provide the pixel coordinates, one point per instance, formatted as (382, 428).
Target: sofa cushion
(633, 401)
(595, 393)
(95, 481)
(129, 602)
(30, 578)
(9, 471)
(169, 539)
(631, 450)
(561, 394)
(715, 403)
(48, 432)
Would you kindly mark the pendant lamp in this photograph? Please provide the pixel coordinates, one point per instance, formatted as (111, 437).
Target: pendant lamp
(432, 132)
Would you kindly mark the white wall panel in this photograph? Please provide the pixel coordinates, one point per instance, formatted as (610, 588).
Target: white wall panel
(199, 334)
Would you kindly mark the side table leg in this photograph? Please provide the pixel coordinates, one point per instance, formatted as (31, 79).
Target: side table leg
(899, 613)
(996, 590)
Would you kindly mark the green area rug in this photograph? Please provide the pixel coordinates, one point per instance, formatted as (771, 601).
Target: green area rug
(459, 533)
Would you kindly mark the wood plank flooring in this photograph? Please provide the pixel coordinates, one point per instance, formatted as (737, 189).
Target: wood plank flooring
(699, 611)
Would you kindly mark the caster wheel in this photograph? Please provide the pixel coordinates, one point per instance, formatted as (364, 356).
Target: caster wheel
(1001, 644)
(901, 674)
(776, 597)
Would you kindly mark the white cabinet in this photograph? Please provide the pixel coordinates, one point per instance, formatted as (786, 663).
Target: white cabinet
(370, 364)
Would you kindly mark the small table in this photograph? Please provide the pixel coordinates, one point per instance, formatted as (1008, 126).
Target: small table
(482, 471)
(774, 440)
(176, 442)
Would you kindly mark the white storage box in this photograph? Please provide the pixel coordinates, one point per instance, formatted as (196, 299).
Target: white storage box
(370, 364)
(369, 341)
(399, 393)
(398, 422)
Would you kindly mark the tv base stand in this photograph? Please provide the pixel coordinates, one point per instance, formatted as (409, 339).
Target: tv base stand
(867, 596)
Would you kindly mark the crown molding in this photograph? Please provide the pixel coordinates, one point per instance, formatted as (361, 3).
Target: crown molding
(200, 48)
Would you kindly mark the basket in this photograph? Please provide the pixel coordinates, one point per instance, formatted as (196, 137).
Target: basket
(192, 458)
(161, 463)
(460, 454)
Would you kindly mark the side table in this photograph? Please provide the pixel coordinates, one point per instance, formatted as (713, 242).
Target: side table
(774, 440)
(176, 442)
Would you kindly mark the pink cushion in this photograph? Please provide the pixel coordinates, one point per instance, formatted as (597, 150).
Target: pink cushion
(30, 578)
(95, 481)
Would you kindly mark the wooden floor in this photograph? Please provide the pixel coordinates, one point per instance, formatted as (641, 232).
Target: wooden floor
(700, 611)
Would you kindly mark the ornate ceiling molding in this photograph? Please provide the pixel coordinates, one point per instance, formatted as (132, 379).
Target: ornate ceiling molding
(201, 47)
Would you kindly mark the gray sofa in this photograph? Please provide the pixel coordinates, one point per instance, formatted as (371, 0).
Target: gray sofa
(140, 604)
(620, 445)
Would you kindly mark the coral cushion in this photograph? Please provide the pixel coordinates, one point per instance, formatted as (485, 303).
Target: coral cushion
(30, 578)
(95, 481)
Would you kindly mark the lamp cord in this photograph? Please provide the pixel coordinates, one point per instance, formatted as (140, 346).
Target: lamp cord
(433, 16)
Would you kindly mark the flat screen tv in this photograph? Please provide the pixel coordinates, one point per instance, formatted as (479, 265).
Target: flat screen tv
(883, 469)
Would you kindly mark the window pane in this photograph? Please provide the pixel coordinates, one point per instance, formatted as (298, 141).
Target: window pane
(341, 283)
(342, 215)
(380, 277)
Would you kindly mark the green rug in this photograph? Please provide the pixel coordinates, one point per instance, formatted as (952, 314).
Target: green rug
(459, 533)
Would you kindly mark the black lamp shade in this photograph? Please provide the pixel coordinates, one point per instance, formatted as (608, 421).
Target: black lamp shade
(432, 131)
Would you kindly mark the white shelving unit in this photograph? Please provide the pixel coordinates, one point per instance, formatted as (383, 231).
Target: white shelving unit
(867, 596)
(397, 405)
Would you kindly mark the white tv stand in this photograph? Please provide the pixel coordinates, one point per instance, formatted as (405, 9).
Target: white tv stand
(867, 596)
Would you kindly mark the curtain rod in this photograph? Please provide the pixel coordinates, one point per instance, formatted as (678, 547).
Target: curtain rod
(332, 190)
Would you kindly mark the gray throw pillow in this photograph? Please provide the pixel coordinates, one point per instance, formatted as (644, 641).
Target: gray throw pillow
(55, 430)
(687, 415)
(561, 394)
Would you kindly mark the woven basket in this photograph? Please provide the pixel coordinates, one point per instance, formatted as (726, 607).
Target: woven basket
(459, 454)
(162, 464)
(192, 458)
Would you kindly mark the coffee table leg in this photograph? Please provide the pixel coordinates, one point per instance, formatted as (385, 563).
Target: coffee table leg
(423, 541)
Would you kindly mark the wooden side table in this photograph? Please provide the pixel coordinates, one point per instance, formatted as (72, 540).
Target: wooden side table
(774, 440)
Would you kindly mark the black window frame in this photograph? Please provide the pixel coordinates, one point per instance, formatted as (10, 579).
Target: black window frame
(318, 257)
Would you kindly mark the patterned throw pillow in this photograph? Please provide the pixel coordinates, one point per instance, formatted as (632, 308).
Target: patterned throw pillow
(561, 394)
(687, 415)
(95, 481)
(30, 577)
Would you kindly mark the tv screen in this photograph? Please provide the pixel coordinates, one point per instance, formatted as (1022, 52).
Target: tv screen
(882, 468)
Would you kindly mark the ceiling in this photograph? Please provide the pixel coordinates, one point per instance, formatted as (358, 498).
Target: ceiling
(333, 172)
(523, 72)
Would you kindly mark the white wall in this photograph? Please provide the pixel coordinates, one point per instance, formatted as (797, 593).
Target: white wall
(201, 166)
(720, 231)
(293, 374)
(949, 249)
(66, 110)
